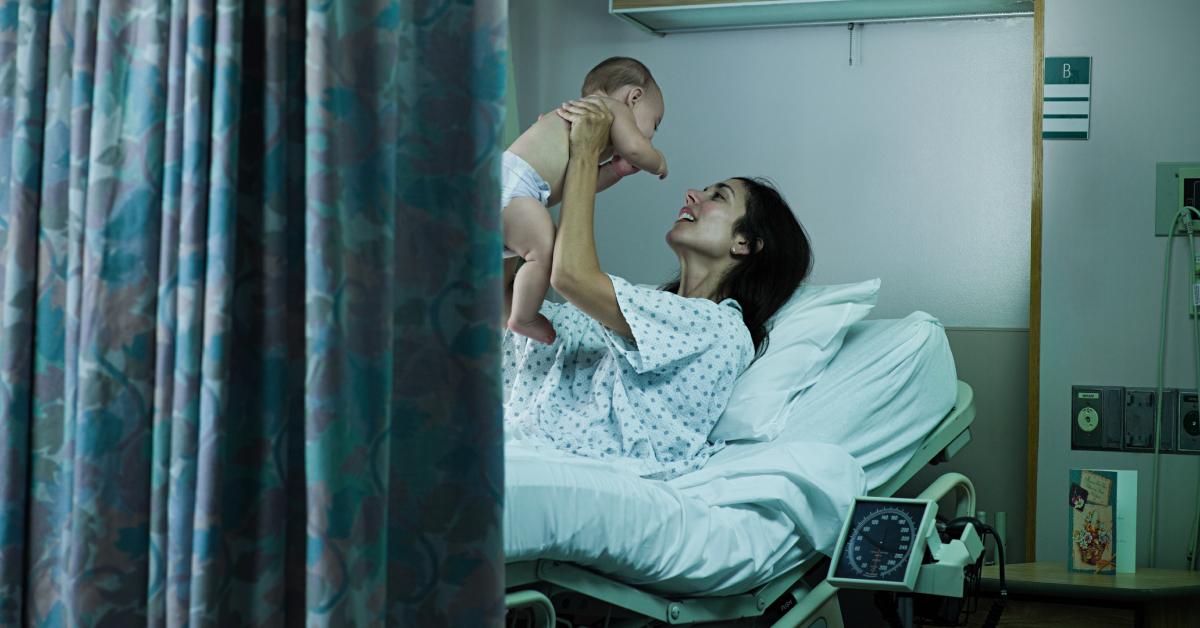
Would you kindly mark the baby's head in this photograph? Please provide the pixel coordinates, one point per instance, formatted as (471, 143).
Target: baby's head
(628, 81)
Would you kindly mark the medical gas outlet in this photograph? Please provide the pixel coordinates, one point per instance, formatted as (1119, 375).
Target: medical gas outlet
(1096, 417)
(1116, 418)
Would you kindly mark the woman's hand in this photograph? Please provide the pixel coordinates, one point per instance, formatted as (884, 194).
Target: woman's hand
(591, 121)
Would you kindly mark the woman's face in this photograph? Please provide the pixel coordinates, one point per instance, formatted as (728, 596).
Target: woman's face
(705, 223)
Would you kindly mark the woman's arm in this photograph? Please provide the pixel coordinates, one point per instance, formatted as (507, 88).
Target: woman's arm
(575, 272)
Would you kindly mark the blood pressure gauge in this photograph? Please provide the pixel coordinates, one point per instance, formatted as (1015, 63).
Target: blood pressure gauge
(882, 543)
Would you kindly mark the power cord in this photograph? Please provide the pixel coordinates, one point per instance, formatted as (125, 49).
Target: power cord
(885, 603)
(954, 530)
(1186, 214)
(949, 615)
(1195, 300)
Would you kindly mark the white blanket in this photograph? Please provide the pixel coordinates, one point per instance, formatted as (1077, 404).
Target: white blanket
(757, 509)
(745, 518)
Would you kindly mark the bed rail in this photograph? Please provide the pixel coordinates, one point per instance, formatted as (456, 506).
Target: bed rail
(537, 602)
(964, 502)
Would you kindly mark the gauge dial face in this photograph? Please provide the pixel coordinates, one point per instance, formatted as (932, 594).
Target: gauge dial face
(881, 541)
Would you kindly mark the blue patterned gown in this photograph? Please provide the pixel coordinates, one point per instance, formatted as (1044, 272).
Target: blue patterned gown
(650, 402)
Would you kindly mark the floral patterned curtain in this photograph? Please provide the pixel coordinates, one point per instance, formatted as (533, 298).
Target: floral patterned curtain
(249, 306)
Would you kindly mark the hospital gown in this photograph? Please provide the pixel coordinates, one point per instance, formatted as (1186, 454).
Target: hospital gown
(649, 403)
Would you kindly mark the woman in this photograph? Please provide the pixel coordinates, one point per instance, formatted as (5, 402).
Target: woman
(641, 374)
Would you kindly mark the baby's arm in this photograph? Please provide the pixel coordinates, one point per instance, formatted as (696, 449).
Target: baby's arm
(629, 142)
(615, 170)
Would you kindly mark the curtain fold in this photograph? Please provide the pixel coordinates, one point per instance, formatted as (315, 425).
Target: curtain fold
(249, 271)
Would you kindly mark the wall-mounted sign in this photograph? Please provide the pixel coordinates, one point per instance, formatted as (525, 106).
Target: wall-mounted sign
(1067, 98)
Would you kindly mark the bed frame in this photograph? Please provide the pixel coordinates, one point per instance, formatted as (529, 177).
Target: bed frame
(801, 594)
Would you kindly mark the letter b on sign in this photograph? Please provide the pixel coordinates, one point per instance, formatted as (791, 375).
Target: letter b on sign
(1068, 70)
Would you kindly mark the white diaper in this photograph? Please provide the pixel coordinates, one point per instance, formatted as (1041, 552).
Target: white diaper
(518, 178)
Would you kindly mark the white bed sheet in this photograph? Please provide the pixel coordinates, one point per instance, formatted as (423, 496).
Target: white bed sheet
(756, 509)
(721, 530)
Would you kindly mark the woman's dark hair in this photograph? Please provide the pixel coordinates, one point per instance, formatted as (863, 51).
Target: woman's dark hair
(763, 280)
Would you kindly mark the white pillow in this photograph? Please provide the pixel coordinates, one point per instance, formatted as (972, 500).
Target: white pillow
(884, 392)
(803, 337)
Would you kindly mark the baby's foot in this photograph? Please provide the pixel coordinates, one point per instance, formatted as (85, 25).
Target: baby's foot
(537, 328)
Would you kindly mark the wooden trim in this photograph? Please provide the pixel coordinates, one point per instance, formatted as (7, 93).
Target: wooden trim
(1035, 288)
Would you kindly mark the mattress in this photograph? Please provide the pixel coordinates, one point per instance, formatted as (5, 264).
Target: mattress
(755, 510)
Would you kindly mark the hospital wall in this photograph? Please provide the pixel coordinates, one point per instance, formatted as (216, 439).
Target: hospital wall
(1101, 263)
(912, 165)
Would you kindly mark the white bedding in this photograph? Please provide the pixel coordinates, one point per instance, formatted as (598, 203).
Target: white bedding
(756, 509)
(888, 387)
(724, 529)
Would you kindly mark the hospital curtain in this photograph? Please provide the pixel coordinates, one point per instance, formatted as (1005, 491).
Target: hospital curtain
(249, 259)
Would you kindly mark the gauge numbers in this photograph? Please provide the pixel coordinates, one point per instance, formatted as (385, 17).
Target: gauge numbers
(882, 543)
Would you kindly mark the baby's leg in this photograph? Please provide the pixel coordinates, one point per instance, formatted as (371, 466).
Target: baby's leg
(510, 274)
(529, 232)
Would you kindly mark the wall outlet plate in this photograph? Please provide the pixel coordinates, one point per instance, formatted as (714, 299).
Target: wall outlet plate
(1189, 187)
(1169, 178)
(1188, 434)
(1141, 406)
(1096, 417)
(1170, 414)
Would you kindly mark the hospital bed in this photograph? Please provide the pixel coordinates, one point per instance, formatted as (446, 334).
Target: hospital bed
(751, 564)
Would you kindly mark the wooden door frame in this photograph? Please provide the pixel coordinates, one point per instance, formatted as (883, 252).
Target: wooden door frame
(1035, 287)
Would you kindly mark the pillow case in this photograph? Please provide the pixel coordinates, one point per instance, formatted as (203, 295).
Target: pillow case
(803, 337)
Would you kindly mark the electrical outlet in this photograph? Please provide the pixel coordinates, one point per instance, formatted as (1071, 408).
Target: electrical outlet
(1189, 187)
(1189, 422)
(1141, 406)
(1096, 421)
(1174, 183)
